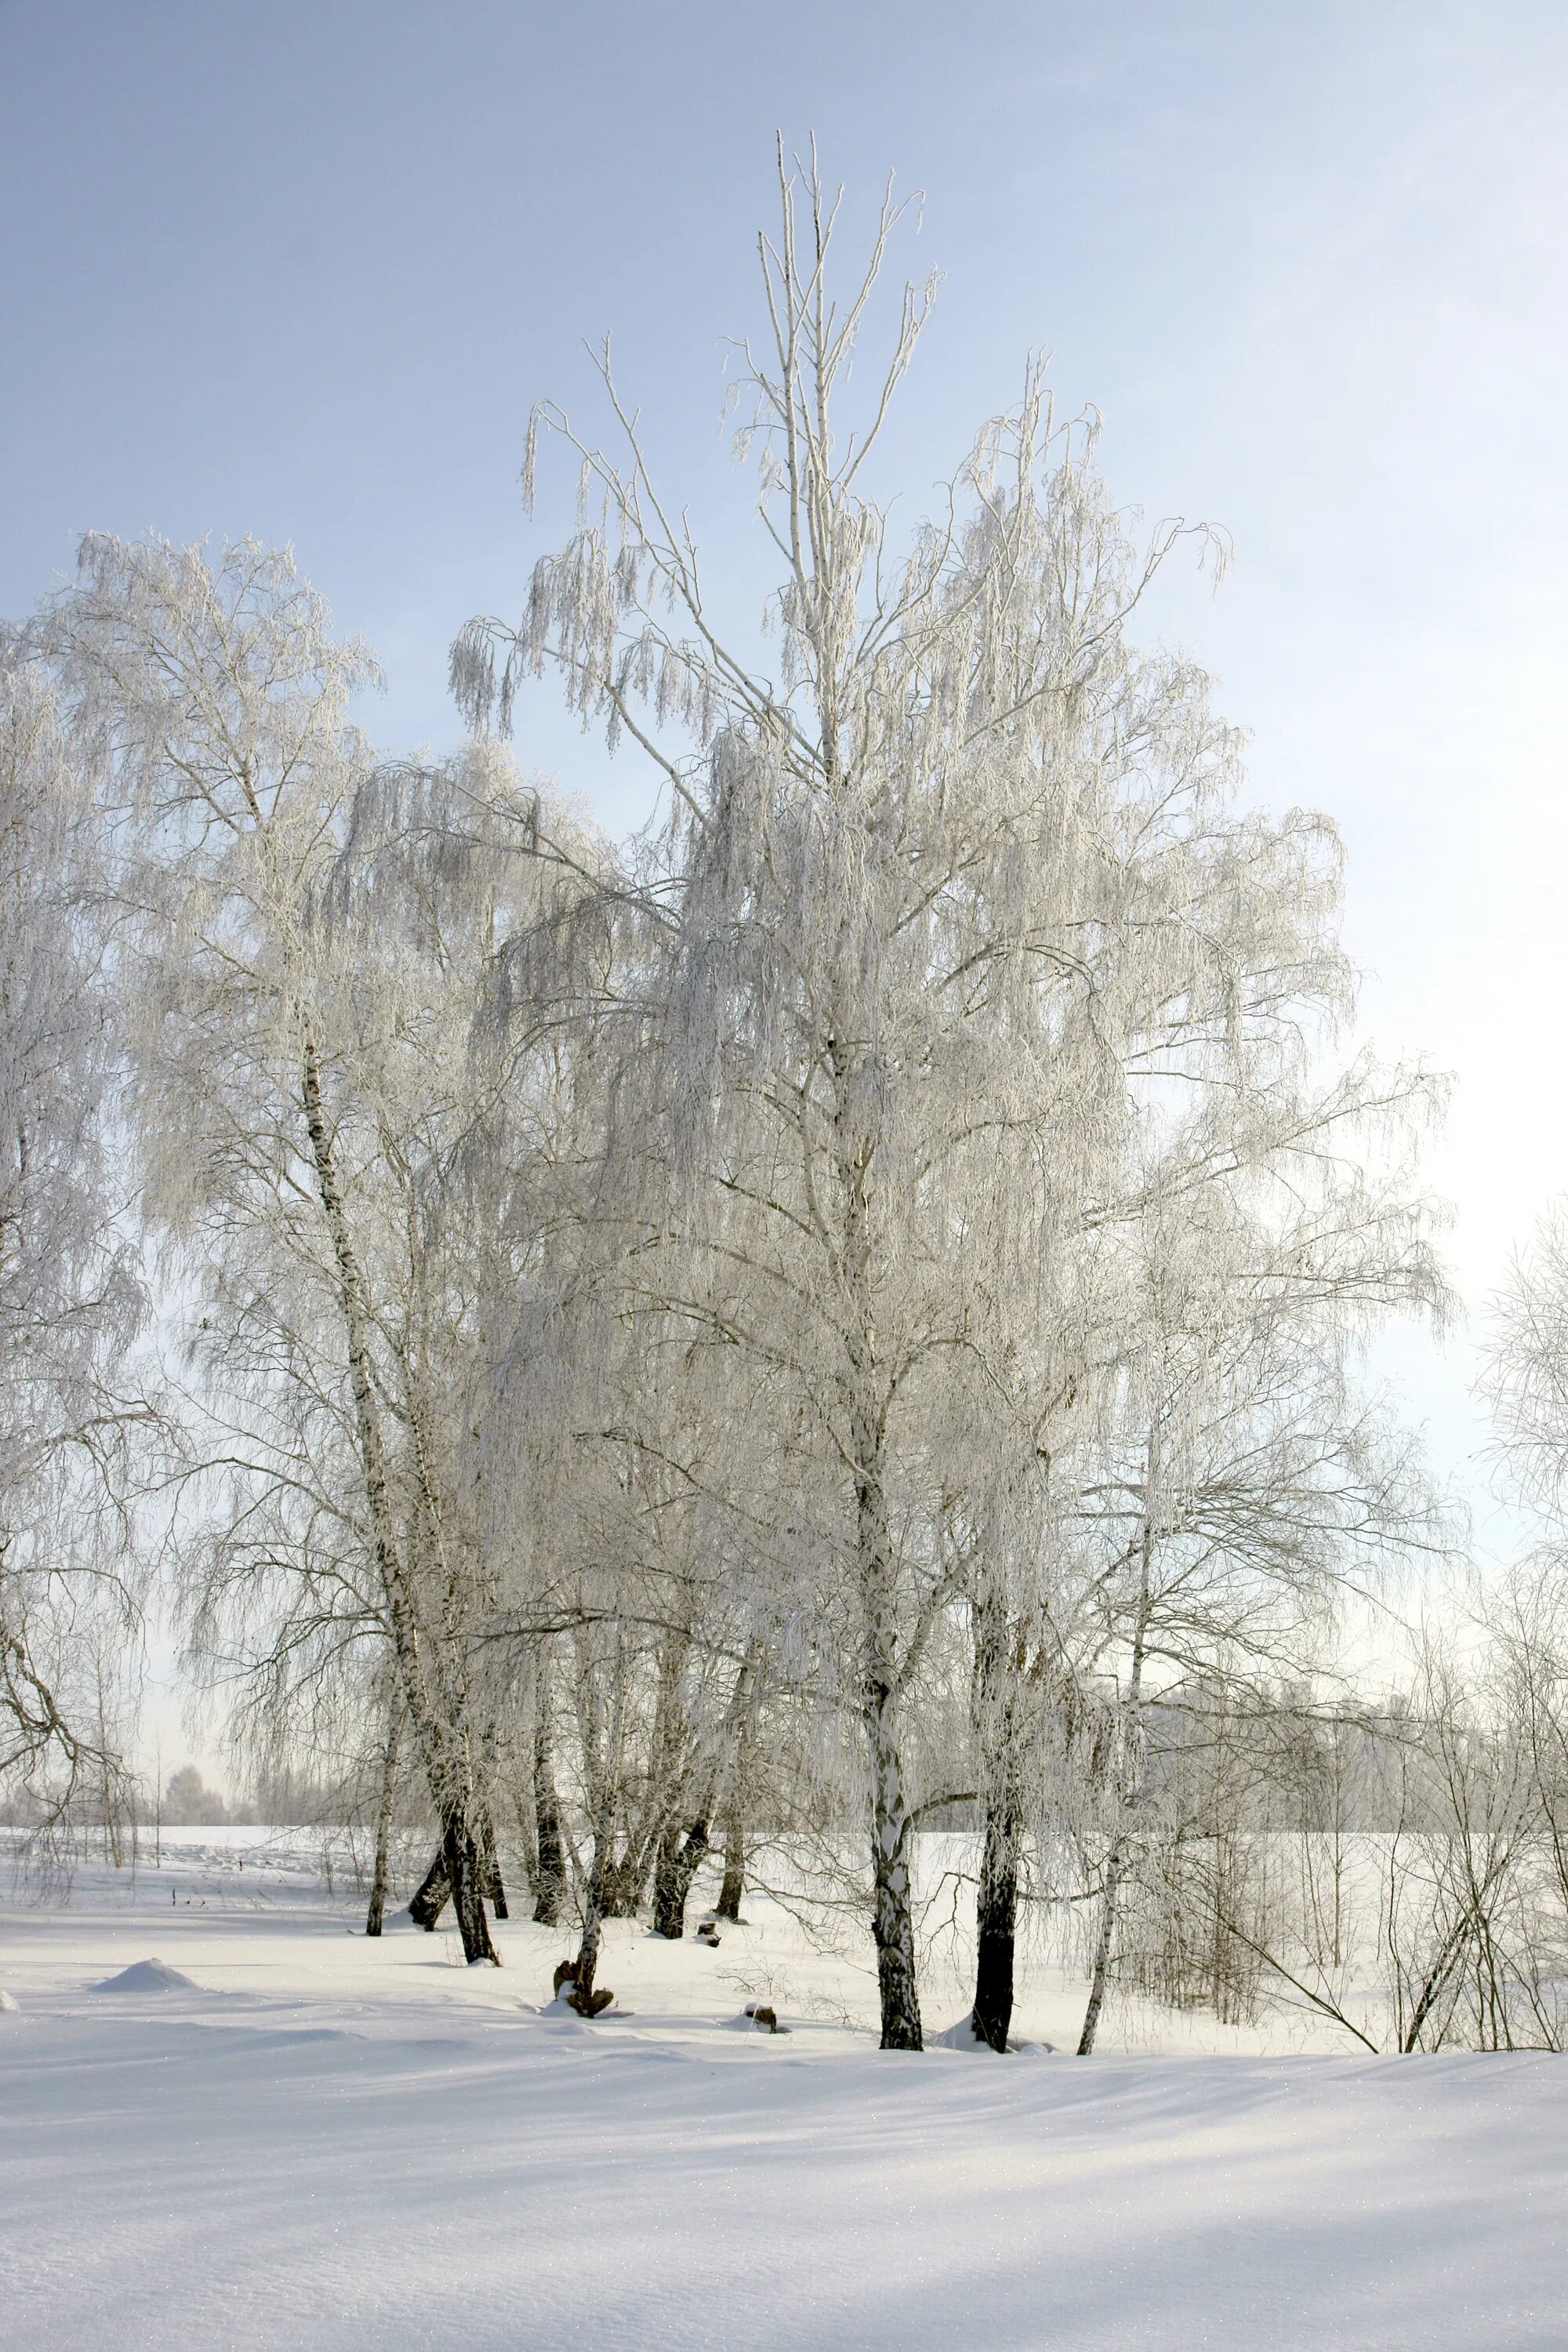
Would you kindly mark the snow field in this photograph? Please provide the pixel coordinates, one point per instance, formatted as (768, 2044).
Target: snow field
(323, 2144)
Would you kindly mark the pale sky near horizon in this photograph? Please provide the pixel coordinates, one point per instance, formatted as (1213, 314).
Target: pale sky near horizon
(300, 271)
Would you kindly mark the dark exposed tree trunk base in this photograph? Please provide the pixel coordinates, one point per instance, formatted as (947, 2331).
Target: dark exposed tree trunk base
(674, 1872)
(994, 1973)
(466, 1876)
(996, 1732)
(460, 1873)
(432, 1894)
(997, 1918)
(733, 1885)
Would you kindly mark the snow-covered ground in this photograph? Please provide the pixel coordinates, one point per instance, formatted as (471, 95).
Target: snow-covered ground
(323, 2142)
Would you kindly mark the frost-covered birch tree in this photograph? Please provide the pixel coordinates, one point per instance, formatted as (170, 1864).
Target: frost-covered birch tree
(305, 1099)
(843, 1307)
(810, 1008)
(956, 887)
(70, 1297)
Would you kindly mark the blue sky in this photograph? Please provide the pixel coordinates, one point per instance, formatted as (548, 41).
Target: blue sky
(301, 270)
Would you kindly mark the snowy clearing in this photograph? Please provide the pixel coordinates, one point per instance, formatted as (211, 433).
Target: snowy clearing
(323, 2143)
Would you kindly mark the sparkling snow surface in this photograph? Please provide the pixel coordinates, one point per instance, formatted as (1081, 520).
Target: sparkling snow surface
(321, 2142)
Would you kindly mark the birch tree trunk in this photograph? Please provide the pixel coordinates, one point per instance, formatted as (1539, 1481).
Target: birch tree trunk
(996, 1901)
(892, 1917)
(734, 1884)
(551, 1880)
(679, 1859)
(855, 1146)
(1130, 1799)
(432, 1894)
(464, 1857)
(587, 1967)
(460, 1850)
(381, 1873)
(495, 1885)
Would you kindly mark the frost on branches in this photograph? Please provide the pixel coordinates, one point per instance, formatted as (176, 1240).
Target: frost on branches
(838, 1317)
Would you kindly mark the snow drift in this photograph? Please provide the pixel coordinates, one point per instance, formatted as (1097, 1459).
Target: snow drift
(147, 1976)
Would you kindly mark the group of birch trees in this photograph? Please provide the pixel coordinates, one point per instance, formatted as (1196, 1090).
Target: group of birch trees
(841, 1314)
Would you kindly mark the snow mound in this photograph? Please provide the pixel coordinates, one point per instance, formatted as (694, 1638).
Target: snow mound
(8, 2001)
(146, 1975)
(962, 2036)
